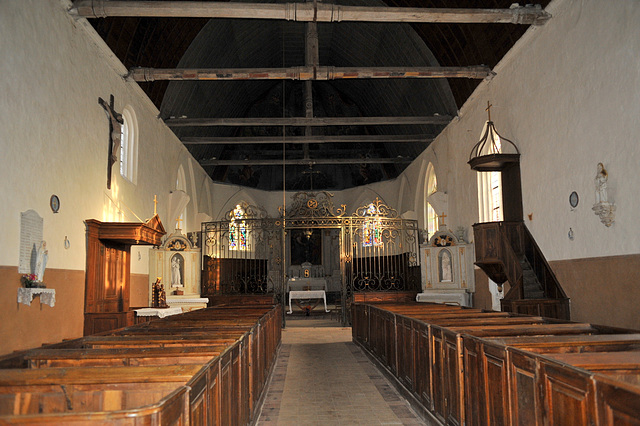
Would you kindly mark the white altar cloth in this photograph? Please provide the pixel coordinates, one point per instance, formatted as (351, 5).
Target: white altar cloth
(187, 302)
(451, 297)
(47, 295)
(158, 312)
(311, 283)
(308, 294)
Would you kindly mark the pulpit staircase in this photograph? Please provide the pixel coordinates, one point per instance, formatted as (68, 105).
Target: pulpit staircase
(508, 253)
(532, 288)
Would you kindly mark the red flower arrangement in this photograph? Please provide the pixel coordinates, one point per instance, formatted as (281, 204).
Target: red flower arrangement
(29, 280)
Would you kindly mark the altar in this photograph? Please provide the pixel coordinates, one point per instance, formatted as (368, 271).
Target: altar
(301, 283)
(177, 263)
(447, 270)
(307, 295)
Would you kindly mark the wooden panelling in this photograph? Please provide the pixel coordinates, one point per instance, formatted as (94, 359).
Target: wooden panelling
(567, 394)
(617, 403)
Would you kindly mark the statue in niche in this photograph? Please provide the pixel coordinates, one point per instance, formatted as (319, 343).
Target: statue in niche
(446, 271)
(176, 271)
(42, 256)
(601, 184)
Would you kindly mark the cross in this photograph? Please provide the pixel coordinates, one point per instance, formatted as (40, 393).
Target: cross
(179, 220)
(488, 109)
(155, 205)
(115, 125)
(441, 219)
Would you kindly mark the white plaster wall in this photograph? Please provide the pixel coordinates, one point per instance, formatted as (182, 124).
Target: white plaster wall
(55, 135)
(568, 94)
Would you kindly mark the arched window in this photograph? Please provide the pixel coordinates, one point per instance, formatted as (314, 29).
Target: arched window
(490, 191)
(129, 145)
(181, 185)
(432, 187)
(372, 228)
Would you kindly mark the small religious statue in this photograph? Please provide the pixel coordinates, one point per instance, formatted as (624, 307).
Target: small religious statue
(176, 277)
(445, 267)
(603, 208)
(41, 261)
(601, 184)
(159, 297)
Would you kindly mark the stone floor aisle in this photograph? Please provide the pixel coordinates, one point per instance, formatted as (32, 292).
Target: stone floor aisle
(322, 378)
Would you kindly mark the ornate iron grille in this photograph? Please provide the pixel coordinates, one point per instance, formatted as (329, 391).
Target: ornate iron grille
(378, 249)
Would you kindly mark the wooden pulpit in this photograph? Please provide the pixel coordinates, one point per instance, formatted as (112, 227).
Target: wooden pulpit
(106, 299)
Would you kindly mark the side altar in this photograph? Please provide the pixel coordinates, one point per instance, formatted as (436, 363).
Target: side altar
(177, 263)
(447, 270)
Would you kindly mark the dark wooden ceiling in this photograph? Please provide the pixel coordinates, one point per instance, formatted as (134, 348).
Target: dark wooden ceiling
(198, 42)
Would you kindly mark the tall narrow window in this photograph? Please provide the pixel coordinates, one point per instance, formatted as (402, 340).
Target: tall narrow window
(372, 228)
(432, 187)
(129, 145)
(490, 190)
(496, 196)
(181, 185)
(238, 230)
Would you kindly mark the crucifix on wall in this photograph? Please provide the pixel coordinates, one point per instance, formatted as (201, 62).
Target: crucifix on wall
(115, 127)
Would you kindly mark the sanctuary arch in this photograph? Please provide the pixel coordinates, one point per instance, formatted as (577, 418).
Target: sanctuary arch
(370, 252)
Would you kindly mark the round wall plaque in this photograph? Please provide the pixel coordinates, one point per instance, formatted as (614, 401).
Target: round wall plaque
(573, 199)
(54, 202)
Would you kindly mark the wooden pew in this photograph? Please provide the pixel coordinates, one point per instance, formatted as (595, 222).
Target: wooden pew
(573, 343)
(622, 365)
(46, 358)
(154, 341)
(464, 366)
(226, 357)
(171, 410)
(75, 389)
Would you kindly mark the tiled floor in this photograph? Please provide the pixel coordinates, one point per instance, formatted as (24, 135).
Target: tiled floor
(322, 378)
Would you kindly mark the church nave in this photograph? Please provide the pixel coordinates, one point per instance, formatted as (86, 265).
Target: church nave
(322, 378)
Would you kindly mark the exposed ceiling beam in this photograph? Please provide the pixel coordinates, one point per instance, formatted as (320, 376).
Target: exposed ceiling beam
(307, 73)
(257, 140)
(305, 12)
(305, 162)
(303, 121)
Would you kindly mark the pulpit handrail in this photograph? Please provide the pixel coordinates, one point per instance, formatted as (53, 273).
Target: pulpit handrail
(513, 268)
(541, 267)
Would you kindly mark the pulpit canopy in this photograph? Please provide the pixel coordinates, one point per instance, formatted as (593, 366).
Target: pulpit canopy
(493, 153)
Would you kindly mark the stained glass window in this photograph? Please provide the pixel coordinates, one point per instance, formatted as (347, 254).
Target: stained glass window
(238, 230)
(372, 228)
